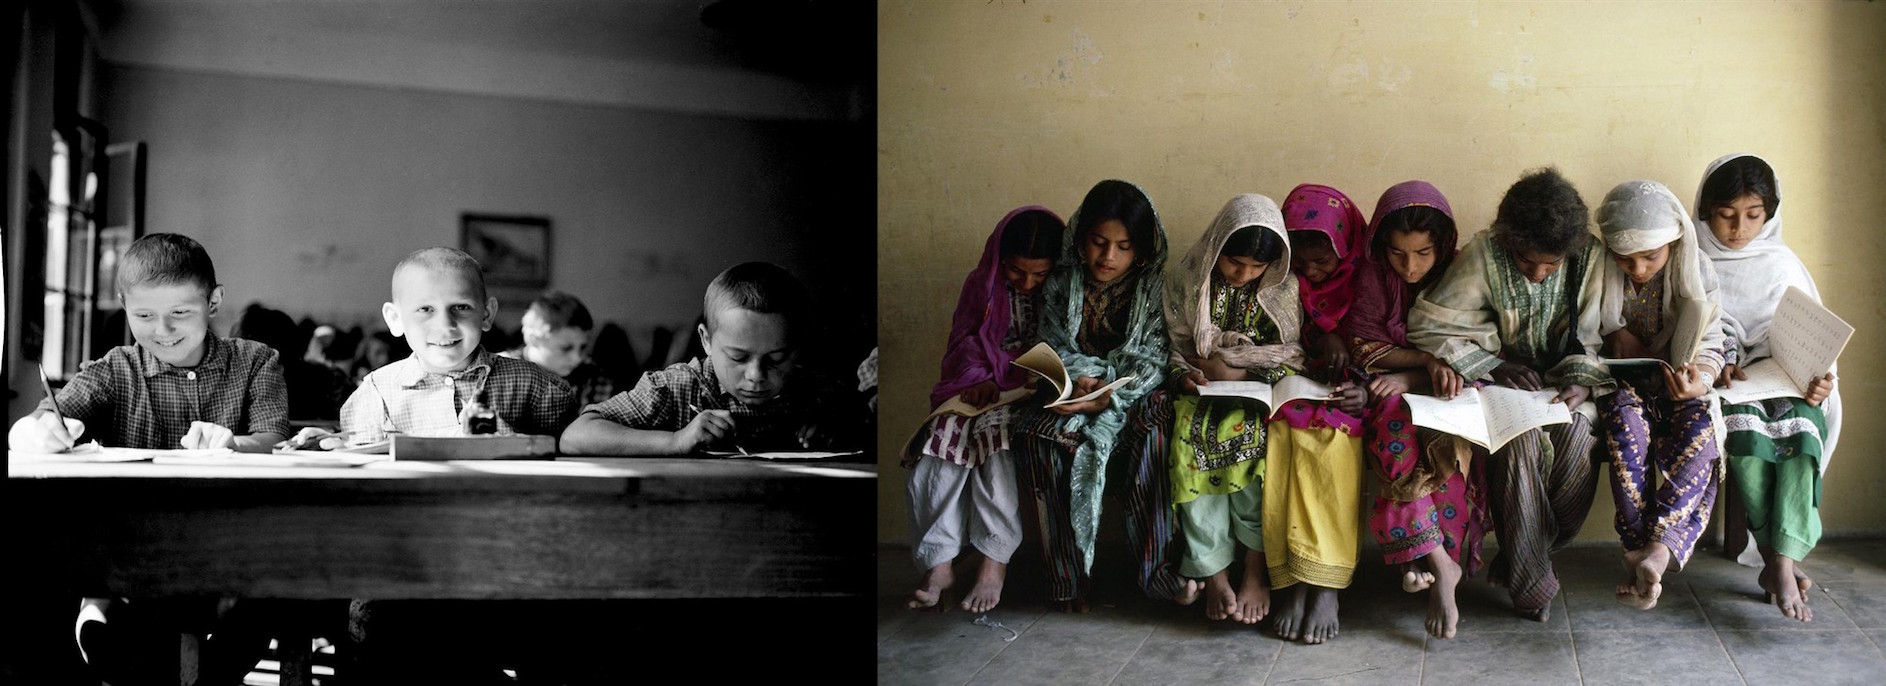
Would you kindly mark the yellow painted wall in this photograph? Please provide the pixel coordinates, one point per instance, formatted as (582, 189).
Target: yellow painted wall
(987, 106)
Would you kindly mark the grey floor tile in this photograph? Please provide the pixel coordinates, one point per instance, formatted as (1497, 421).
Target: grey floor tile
(1748, 610)
(1497, 659)
(1594, 607)
(942, 648)
(892, 617)
(1864, 603)
(1805, 657)
(1064, 648)
(1357, 656)
(1486, 608)
(1202, 652)
(1653, 659)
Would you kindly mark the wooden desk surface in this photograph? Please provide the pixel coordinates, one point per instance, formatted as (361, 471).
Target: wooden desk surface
(617, 528)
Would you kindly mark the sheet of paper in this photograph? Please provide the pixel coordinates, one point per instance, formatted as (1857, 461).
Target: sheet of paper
(301, 458)
(1511, 412)
(957, 406)
(1298, 387)
(1255, 390)
(1766, 379)
(1806, 337)
(788, 454)
(1122, 381)
(1462, 416)
(1045, 362)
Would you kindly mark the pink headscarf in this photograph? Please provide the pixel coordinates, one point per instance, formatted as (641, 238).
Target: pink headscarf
(1312, 207)
(974, 353)
(1379, 321)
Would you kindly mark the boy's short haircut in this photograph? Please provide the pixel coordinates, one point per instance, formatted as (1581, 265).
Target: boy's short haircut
(1542, 213)
(560, 310)
(442, 258)
(162, 259)
(761, 287)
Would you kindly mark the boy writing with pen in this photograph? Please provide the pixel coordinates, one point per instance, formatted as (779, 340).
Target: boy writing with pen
(180, 386)
(748, 394)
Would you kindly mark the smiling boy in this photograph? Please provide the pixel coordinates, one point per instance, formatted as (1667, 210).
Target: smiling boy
(442, 310)
(746, 394)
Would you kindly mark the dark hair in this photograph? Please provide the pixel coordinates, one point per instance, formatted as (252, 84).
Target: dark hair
(161, 259)
(1114, 199)
(1419, 219)
(1255, 242)
(560, 310)
(1542, 213)
(1033, 235)
(1738, 177)
(272, 328)
(758, 286)
(445, 259)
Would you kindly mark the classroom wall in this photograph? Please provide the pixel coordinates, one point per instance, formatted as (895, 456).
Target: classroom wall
(307, 192)
(988, 106)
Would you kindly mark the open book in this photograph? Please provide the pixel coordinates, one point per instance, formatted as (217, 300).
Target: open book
(956, 405)
(1043, 360)
(1803, 341)
(1488, 416)
(1293, 387)
(1693, 320)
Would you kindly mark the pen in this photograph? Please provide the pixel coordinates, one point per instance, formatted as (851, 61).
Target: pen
(52, 399)
(736, 446)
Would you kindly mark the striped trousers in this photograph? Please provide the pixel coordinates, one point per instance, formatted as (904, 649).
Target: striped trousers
(1541, 484)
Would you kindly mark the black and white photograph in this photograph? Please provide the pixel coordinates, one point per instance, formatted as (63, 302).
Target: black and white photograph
(358, 342)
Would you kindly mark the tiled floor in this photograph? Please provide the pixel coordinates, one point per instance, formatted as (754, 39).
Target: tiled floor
(1711, 627)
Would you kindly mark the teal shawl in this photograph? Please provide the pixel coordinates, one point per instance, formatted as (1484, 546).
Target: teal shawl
(1143, 355)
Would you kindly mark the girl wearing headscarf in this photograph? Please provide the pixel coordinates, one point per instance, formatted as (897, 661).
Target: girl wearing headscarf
(1432, 504)
(1313, 470)
(1660, 301)
(1101, 313)
(1519, 308)
(962, 479)
(1233, 313)
(1779, 448)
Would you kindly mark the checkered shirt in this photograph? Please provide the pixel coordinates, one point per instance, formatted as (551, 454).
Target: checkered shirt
(666, 400)
(130, 399)
(403, 397)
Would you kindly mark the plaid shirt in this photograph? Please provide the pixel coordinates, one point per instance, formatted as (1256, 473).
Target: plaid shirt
(667, 399)
(150, 404)
(591, 384)
(402, 397)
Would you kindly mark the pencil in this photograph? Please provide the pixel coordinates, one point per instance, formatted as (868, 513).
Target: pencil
(736, 446)
(50, 397)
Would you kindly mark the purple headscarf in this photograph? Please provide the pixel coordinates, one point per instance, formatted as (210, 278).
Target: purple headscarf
(974, 353)
(1378, 321)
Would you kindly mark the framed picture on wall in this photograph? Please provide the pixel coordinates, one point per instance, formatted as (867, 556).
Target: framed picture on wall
(515, 251)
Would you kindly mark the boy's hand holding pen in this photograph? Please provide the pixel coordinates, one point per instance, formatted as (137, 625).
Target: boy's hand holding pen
(50, 432)
(707, 427)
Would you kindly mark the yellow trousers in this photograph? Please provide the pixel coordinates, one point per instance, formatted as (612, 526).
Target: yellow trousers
(1312, 506)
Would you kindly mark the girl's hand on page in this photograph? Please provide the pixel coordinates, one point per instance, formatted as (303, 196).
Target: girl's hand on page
(1445, 383)
(981, 394)
(1685, 382)
(1818, 391)
(1728, 371)
(1572, 396)
(1515, 375)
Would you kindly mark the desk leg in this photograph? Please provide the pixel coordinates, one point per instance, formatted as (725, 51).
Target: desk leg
(1734, 517)
(188, 667)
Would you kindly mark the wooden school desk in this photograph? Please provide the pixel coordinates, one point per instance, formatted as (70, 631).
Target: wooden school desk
(573, 528)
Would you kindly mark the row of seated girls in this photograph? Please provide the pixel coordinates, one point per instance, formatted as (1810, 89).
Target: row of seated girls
(1229, 502)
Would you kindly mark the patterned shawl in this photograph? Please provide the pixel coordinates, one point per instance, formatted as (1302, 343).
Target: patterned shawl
(1484, 310)
(1143, 355)
(1188, 297)
(1753, 280)
(1377, 323)
(974, 353)
(1643, 215)
(1311, 207)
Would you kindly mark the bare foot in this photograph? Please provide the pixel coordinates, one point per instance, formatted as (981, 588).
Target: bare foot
(1189, 590)
(1414, 579)
(1254, 592)
(1320, 625)
(1076, 606)
(1443, 614)
(988, 589)
(1800, 579)
(935, 581)
(1289, 621)
(1220, 600)
(1540, 615)
(1787, 596)
(1643, 576)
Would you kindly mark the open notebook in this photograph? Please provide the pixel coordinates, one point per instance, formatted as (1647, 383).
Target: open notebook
(1804, 341)
(1488, 416)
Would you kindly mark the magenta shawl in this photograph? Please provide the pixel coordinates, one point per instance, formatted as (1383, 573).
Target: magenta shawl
(974, 353)
(1378, 320)
(1312, 207)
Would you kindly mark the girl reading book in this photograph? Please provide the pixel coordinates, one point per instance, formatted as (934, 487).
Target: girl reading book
(962, 479)
(1100, 311)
